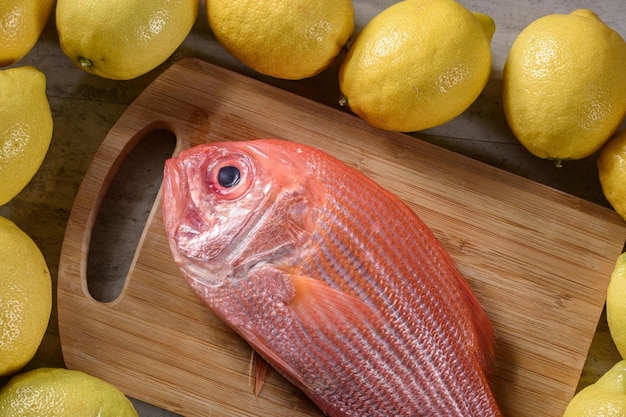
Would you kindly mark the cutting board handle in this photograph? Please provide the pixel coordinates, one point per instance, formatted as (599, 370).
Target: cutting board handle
(125, 135)
(124, 214)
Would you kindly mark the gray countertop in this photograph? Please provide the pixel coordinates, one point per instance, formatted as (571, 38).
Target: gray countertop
(85, 107)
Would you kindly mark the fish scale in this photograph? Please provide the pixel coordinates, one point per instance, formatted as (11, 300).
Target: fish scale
(342, 258)
(359, 305)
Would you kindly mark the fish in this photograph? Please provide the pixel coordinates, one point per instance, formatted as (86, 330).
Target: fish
(331, 278)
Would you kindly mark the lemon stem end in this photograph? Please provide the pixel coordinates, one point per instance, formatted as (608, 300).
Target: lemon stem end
(84, 62)
(487, 23)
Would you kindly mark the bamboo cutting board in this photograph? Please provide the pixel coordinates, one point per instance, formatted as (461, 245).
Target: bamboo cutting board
(538, 259)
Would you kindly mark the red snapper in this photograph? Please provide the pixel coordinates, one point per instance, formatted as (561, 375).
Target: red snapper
(330, 278)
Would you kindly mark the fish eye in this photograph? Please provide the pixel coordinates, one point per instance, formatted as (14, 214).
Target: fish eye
(228, 176)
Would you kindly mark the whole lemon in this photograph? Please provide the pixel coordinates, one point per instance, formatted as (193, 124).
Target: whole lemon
(59, 392)
(123, 39)
(25, 128)
(21, 24)
(25, 297)
(612, 172)
(417, 64)
(605, 398)
(616, 305)
(564, 85)
(289, 39)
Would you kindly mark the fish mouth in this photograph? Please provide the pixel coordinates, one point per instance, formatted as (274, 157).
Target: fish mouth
(185, 226)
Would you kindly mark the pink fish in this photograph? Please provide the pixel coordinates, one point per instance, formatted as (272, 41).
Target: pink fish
(330, 278)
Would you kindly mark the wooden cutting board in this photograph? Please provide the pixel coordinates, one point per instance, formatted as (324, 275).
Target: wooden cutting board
(538, 259)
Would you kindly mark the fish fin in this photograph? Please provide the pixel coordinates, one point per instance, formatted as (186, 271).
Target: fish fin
(318, 307)
(485, 351)
(486, 337)
(263, 351)
(260, 369)
(484, 328)
(326, 307)
(321, 309)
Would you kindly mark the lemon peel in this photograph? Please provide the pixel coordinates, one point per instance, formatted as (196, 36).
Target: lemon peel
(612, 173)
(25, 297)
(616, 305)
(122, 40)
(62, 392)
(21, 24)
(288, 39)
(25, 128)
(417, 64)
(606, 397)
(558, 105)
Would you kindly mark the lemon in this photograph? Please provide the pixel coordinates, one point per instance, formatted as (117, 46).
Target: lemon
(612, 173)
(616, 305)
(289, 39)
(25, 297)
(417, 64)
(123, 39)
(25, 128)
(605, 398)
(59, 392)
(564, 85)
(21, 24)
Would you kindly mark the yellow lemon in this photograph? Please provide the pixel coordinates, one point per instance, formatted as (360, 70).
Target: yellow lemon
(25, 297)
(612, 173)
(59, 392)
(616, 305)
(25, 128)
(289, 39)
(564, 85)
(417, 64)
(21, 24)
(605, 398)
(123, 39)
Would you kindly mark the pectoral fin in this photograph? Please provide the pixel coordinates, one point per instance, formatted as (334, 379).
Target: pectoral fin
(323, 306)
(322, 310)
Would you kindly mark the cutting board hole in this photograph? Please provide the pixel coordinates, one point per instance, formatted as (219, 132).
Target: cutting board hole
(123, 214)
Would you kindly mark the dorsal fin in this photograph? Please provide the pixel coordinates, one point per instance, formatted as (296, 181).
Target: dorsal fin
(485, 332)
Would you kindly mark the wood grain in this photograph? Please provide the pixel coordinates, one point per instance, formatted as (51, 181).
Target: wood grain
(538, 259)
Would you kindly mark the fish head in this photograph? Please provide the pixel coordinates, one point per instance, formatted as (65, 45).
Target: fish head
(228, 206)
